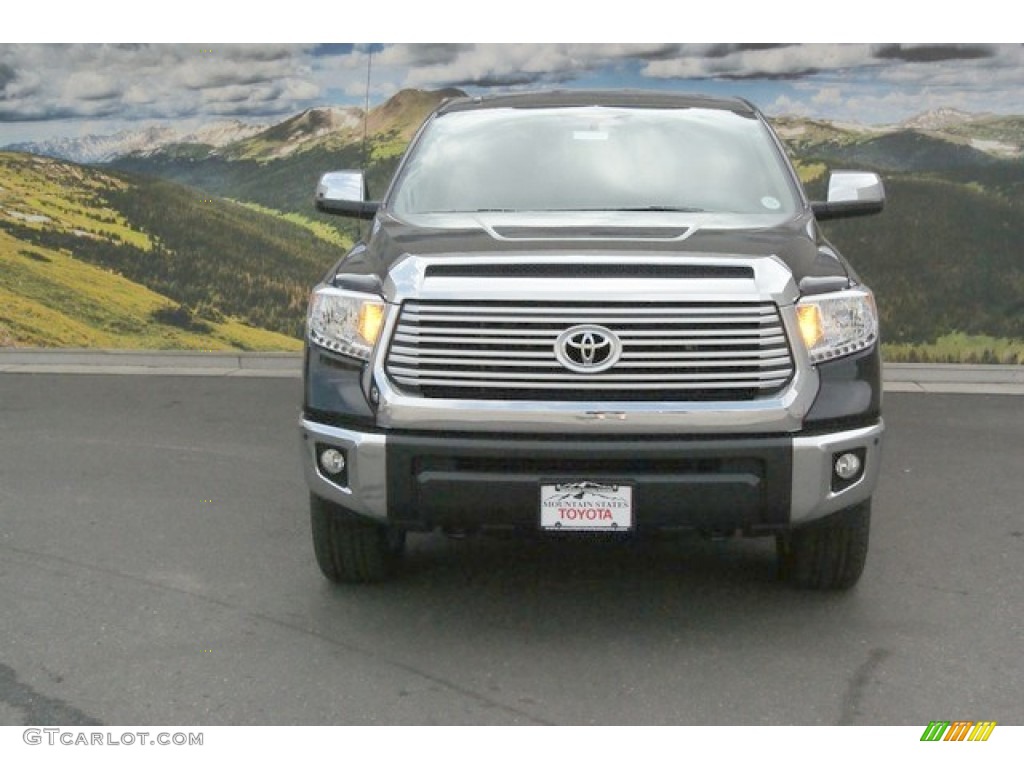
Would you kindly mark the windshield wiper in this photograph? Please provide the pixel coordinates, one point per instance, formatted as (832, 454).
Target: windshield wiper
(636, 209)
(475, 210)
(668, 208)
(632, 209)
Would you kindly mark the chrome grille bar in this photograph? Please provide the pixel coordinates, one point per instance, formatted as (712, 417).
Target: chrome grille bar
(500, 349)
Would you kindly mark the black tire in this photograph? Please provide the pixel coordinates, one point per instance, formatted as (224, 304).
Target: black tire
(827, 554)
(351, 549)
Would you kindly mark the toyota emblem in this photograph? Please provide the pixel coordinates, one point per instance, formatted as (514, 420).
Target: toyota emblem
(588, 349)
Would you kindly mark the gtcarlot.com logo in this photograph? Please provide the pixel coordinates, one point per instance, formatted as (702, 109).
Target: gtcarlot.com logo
(71, 738)
(958, 730)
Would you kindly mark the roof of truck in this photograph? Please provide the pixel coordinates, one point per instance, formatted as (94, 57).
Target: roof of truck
(590, 98)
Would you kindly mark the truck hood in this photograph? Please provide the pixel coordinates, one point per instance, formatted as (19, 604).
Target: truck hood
(795, 240)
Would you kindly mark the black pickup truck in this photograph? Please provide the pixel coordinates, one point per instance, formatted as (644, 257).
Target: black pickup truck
(594, 313)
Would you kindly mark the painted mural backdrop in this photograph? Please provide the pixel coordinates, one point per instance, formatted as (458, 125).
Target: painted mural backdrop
(159, 196)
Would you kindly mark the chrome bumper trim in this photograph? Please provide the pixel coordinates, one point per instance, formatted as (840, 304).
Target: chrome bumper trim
(812, 496)
(367, 489)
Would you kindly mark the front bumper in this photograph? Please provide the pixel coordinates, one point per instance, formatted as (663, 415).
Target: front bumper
(748, 482)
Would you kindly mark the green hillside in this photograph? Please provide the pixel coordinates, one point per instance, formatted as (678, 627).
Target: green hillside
(906, 151)
(90, 258)
(942, 258)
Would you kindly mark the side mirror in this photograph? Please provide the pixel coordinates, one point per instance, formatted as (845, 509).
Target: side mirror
(344, 193)
(851, 193)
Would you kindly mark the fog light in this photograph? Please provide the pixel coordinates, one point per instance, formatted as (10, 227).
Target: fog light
(332, 461)
(847, 466)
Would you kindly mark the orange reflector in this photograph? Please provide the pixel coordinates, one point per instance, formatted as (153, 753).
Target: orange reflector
(809, 318)
(371, 318)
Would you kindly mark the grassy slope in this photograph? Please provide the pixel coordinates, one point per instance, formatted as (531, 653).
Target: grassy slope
(318, 228)
(49, 297)
(958, 348)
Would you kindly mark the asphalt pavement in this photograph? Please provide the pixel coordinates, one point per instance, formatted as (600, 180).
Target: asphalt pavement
(157, 568)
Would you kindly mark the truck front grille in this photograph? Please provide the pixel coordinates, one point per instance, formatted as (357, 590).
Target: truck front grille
(723, 351)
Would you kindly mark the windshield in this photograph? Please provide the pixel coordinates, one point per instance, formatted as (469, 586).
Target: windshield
(594, 158)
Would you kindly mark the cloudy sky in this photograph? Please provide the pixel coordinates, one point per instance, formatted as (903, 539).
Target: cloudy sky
(49, 90)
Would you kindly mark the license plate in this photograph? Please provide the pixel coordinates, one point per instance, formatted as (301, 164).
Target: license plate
(586, 506)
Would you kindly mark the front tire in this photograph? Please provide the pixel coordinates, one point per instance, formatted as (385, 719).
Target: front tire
(827, 554)
(351, 549)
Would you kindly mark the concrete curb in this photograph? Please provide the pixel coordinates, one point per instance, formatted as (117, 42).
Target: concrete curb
(130, 362)
(954, 379)
(898, 377)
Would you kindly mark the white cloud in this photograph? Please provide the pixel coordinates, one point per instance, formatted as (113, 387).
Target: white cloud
(512, 63)
(152, 81)
(91, 86)
(847, 81)
(693, 62)
(828, 97)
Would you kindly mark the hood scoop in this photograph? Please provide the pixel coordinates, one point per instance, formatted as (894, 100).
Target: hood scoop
(583, 269)
(586, 232)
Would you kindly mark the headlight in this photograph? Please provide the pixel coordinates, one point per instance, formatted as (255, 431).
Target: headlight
(837, 324)
(345, 321)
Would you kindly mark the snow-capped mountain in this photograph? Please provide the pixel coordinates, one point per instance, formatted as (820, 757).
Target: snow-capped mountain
(938, 119)
(222, 133)
(298, 132)
(102, 149)
(331, 127)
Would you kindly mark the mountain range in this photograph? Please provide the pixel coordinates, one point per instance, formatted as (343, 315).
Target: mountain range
(997, 136)
(313, 128)
(153, 138)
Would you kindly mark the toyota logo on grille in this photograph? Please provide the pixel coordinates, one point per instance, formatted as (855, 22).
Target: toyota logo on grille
(588, 349)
